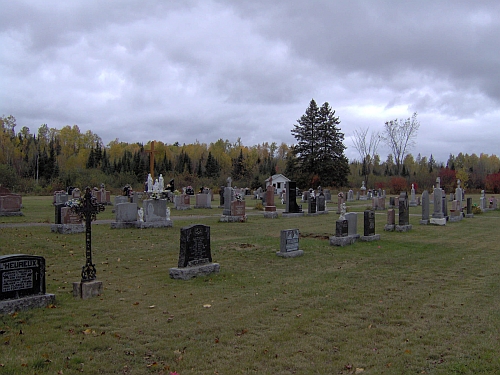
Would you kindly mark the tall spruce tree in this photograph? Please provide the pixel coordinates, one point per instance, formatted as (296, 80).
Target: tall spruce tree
(320, 149)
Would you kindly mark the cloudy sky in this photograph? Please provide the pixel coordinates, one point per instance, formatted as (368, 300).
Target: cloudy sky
(200, 70)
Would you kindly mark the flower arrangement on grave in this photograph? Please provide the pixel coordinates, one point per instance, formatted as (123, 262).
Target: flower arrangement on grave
(177, 192)
(155, 195)
(340, 195)
(75, 202)
(238, 197)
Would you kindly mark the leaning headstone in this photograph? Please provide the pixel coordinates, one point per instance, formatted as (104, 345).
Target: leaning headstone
(404, 214)
(195, 257)
(391, 220)
(22, 283)
(469, 213)
(425, 208)
(292, 208)
(369, 227)
(289, 244)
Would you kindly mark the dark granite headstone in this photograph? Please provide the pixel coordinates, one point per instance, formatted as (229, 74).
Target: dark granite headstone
(369, 223)
(195, 246)
(320, 202)
(469, 206)
(57, 208)
(289, 244)
(341, 228)
(312, 205)
(404, 212)
(291, 198)
(21, 276)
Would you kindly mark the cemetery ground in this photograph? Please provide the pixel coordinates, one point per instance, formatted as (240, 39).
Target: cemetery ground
(424, 302)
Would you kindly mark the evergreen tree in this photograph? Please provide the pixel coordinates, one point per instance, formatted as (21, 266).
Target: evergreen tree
(319, 150)
(212, 168)
(239, 166)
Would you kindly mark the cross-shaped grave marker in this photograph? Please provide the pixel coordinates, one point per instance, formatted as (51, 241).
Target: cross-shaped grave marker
(151, 153)
(87, 209)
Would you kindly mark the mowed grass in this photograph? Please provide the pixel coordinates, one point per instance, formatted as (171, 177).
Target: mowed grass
(426, 301)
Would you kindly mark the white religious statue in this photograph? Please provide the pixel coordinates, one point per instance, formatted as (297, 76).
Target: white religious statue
(162, 183)
(150, 183)
(168, 213)
(458, 183)
(342, 211)
(412, 186)
(140, 213)
(156, 186)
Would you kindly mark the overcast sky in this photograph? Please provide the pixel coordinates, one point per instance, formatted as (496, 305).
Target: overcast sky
(200, 70)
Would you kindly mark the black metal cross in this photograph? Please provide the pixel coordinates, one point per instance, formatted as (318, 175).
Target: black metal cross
(87, 209)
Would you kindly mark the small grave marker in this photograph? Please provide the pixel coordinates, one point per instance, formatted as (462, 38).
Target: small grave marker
(289, 244)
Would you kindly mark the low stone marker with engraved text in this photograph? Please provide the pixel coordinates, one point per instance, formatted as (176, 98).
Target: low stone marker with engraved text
(289, 244)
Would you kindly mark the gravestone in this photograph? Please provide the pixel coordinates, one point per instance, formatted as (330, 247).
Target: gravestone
(350, 196)
(342, 237)
(195, 256)
(425, 208)
(60, 197)
(352, 224)
(413, 199)
(228, 198)
(321, 203)
(22, 283)
(10, 204)
(292, 208)
(444, 203)
(238, 208)
(125, 216)
(391, 220)
(363, 196)
(289, 244)
(369, 227)
(340, 201)
(438, 215)
(455, 212)
(469, 213)
(404, 213)
(182, 202)
(311, 204)
(203, 200)
(482, 201)
(66, 221)
(391, 202)
(328, 195)
(155, 214)
(270, 207)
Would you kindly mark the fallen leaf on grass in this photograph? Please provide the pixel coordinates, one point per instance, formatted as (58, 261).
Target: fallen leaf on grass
(152, 306)
(359, 370)
(243, 331)
(207, 306)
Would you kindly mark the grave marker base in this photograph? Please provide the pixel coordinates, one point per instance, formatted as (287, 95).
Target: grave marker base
(404, 228)
(468, 216)
(26, 303)
(67, 228)
(342, 241)
(233, 219)
(389, 227)
(270, 214)
(290, 254)
(154, 224)
(424, 222)
(438, 221)
(87, 289)
(292, 214)
(186, 273)
(6, 213)
(374, 237)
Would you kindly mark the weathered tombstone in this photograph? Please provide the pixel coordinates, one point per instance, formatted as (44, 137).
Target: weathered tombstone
(391, 220)
(381, 203)
(340, 201)
(182, 202)
(350, 196)
(228, 198)
(88, 210)
(425, 208)
(413, 199)
(482, 201)
(311, 204)
(125, 216)
(328, 195)
(10, 204)
(238, 208)
(455, 212)
(289, 244)
(369, 227)
(292, 208)
(438, 215)
(321, 203)
(22, 283)
(469, 209)
(404, 214)
(195, 257)
(155, 214)
(203, 200)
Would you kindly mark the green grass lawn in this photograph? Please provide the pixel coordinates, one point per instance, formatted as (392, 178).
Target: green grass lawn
(422, 302)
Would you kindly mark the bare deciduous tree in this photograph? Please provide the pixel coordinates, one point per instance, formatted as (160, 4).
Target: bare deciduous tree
(400, 137)
(367, 149)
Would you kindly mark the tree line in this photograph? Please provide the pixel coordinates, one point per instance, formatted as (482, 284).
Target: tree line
(53, 159)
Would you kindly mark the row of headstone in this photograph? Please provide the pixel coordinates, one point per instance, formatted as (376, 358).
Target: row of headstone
(346, 232)
(403, 224)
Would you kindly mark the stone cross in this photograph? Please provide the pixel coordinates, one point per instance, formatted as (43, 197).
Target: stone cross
(88, 210)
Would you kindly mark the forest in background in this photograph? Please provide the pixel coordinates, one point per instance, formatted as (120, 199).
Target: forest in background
(54, 159)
